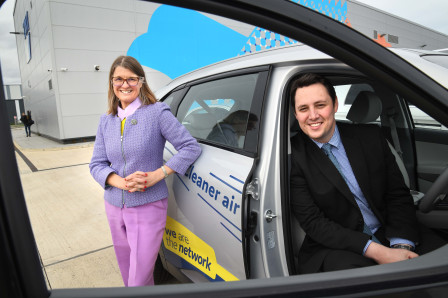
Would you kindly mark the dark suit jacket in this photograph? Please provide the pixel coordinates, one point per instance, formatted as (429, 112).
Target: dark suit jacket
(325, 206)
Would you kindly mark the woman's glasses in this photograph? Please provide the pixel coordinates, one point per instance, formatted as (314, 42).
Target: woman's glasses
(132, 81)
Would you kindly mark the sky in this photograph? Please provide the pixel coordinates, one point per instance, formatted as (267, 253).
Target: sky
(8, 50)
(429, 13)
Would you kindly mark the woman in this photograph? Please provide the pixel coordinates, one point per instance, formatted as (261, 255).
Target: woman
(26, 121)
(127, 162)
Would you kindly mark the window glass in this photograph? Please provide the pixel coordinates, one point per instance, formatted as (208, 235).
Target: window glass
(346, 94)
(169, 100)
(423, 120)
(219, 111)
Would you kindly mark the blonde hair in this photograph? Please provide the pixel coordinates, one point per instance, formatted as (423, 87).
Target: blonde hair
(146, 95)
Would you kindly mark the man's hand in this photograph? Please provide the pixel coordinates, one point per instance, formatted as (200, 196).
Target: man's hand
(384, 255)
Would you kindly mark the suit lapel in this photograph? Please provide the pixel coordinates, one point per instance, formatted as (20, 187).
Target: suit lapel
(356, 157)
(328, 169)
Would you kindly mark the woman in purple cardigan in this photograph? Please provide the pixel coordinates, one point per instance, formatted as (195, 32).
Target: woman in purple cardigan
(127, 162)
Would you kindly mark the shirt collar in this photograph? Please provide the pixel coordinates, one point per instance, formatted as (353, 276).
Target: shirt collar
(334, 141)
(130, 109)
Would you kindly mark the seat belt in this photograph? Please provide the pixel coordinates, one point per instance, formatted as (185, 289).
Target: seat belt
(391, 114)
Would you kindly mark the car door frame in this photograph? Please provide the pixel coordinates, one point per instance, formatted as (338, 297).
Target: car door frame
(324, 34)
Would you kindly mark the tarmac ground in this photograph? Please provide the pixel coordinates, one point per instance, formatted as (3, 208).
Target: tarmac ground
(66, 209)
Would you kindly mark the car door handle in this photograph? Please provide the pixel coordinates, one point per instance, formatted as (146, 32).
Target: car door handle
(269, 215)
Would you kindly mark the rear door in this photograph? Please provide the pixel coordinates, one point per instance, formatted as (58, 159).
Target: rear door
(204, 236)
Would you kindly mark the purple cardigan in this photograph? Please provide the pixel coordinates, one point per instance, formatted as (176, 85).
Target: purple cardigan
(144, 136)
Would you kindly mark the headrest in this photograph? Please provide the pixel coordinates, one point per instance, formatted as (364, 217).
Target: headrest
(366, 108)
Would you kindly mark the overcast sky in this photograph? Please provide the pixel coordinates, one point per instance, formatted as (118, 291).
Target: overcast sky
(429, 13)
(8, 51)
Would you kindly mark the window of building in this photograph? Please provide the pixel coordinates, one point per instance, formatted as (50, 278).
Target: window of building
(27, 33)
(392, 38)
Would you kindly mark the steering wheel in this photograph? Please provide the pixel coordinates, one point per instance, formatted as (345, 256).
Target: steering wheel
(436, 192)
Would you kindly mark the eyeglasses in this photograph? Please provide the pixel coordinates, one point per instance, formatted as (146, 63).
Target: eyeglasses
(132, 81)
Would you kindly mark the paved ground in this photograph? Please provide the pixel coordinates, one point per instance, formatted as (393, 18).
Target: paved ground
(67, 214)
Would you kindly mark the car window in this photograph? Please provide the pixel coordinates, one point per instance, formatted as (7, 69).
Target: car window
(169, 99)
(218, 111)
(423, 120)
(173, 99)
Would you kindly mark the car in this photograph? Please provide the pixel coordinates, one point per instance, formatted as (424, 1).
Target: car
(229, 216)
(233, 204)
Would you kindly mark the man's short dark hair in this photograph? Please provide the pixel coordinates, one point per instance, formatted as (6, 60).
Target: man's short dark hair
(309, 79)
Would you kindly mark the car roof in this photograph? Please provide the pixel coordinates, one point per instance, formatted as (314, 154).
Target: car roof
(284, 55)
(416, 58)
(301, 52)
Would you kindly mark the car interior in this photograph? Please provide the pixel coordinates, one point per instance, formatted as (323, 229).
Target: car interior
(362, 101)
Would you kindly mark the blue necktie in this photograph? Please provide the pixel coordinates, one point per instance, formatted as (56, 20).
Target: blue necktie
(327, 149)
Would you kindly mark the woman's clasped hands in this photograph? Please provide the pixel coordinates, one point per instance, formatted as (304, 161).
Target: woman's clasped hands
(141, 181)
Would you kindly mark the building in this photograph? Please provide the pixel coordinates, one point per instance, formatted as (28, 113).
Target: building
(14, 102)
(66, 47)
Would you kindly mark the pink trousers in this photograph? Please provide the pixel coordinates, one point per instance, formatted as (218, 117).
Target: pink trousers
(137, 235)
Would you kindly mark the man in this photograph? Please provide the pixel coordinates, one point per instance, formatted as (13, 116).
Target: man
(346, 189)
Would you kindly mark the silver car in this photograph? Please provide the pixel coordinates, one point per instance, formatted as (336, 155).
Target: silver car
(229, 217)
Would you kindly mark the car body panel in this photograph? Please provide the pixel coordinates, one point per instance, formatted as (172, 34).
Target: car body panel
(205, 206)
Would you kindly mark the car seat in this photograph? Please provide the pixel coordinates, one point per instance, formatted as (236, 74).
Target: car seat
(366, 108)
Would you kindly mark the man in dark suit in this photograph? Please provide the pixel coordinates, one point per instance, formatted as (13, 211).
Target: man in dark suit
(346, 189)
